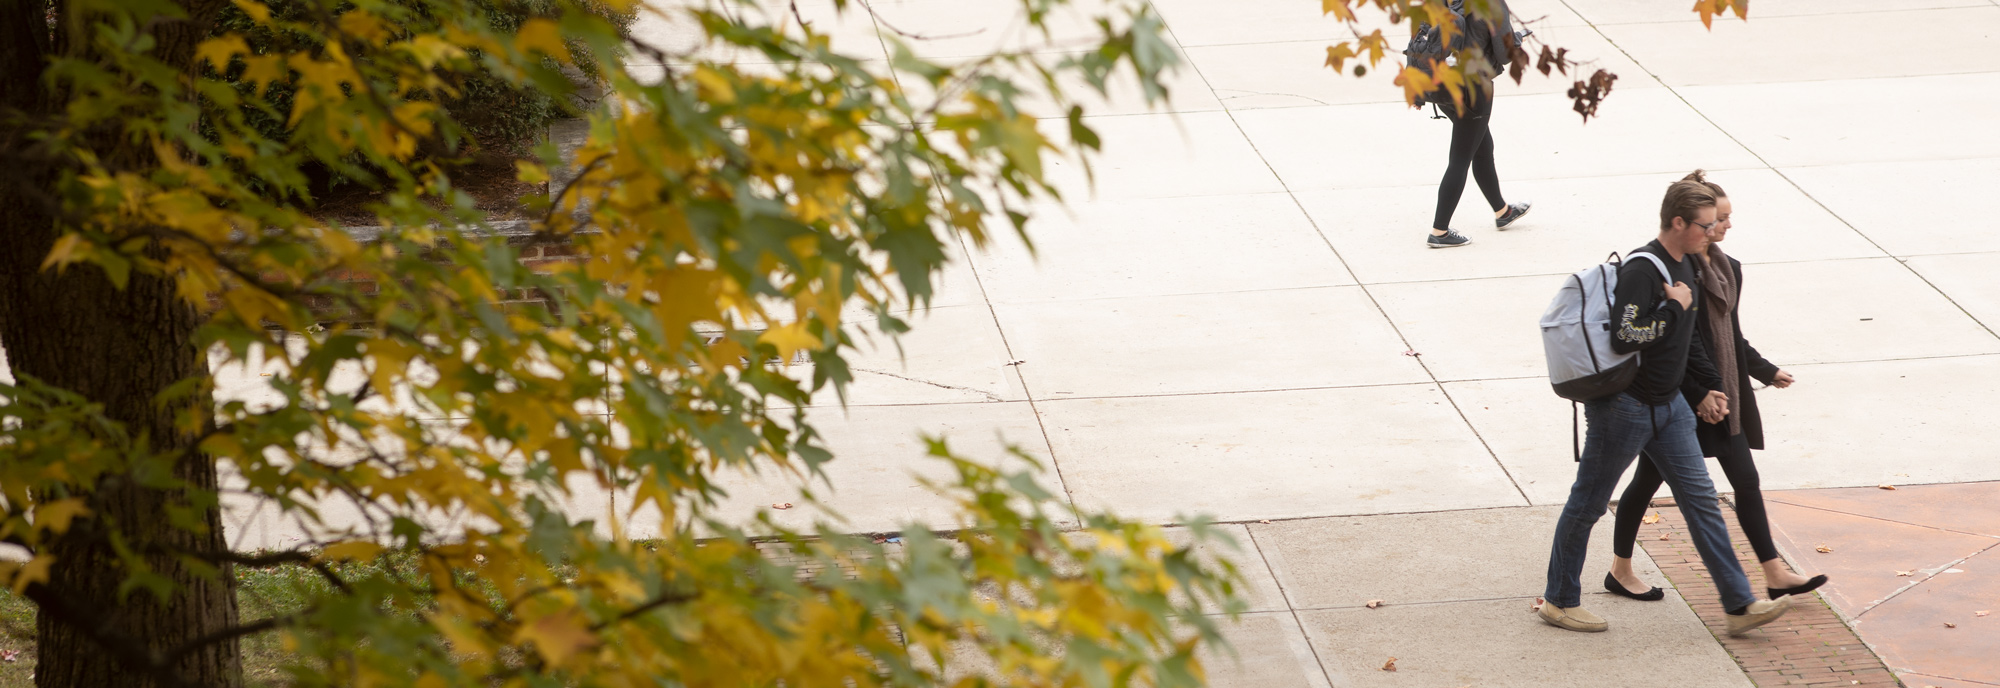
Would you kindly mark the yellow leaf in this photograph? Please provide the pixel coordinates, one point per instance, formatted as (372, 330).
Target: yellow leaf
(1374, 44)
(530, 173)
(219, 50)
(1415, 84)
(262, 70)
(789, 339)
(350, 550)
(24, 575)
(714, 85)
(56, 515)
(67, 251)
(542, 35)
(363, 25)
(258, 11)
(430, 50)
(1337, 8)
(1338, 55)
(558, 636)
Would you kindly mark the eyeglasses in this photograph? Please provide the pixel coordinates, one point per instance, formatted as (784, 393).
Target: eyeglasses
(1707, 227)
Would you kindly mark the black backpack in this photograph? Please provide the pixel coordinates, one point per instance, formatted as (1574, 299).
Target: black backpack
(1427, 44)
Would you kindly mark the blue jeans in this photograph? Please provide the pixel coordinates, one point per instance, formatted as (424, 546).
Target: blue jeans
(1618, 429)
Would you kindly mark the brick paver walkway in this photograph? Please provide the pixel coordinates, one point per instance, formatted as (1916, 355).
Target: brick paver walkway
(1810, 646)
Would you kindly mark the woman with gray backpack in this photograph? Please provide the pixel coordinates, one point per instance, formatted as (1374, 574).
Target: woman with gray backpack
(1494, 39)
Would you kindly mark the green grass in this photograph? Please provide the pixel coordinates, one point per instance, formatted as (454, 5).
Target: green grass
(260, 594)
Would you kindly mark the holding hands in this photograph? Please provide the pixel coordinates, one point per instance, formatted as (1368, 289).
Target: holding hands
(1713, 408)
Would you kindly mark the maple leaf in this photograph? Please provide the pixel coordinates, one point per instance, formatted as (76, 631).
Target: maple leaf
(1905, 574)
(1886, 486)
(558, 636)
(1372, 604)
(1823, 549)
(1338, 55)
(1389, 665)
(1652, 517)
(1337, 8)
(1415, 84)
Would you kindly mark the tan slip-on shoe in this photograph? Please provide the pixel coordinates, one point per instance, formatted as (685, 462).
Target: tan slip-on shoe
(1760, 612)
(1573, 618)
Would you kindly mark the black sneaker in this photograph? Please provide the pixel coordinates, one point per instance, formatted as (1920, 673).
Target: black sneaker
(1450, 239)
(1514, 212)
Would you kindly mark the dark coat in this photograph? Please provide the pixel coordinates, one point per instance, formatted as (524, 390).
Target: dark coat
(1749, 364)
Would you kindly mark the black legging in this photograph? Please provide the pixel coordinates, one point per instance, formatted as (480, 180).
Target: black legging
(1742, 474)
(1471, 148)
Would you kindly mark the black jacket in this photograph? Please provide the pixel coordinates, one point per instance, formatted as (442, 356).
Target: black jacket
(1703, 377)
(1648, 322)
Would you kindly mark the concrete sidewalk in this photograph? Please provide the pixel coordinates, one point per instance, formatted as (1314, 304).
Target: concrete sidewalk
(1458, 589)
(1240, 318)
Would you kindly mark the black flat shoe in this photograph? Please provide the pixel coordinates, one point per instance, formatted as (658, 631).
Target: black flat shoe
(1810, 586)
(1654, 595)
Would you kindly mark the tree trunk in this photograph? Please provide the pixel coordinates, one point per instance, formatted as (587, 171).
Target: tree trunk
(72, 329)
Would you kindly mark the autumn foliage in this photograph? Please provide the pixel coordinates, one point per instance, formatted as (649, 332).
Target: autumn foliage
(738, 228)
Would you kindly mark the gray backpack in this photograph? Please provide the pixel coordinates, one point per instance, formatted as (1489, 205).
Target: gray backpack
(1576, 334)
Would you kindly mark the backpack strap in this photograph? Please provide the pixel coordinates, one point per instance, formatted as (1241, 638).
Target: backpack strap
(1661, 264)
(1575, 429)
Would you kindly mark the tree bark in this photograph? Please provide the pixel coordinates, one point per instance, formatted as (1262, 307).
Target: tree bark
(116, 347)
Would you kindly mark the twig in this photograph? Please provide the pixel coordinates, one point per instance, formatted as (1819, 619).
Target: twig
(655, 603)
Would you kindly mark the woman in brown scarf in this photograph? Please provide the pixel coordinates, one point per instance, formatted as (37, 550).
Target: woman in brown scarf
(1730, 426)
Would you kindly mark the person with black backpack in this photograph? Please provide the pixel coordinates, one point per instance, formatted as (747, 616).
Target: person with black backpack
(1643, 410)
(1491, 38)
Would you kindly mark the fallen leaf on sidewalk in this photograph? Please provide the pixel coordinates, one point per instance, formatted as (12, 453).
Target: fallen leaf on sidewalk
(1652, 517)
(1663, 536)
(1823, 549)
(1389, 665)
(1949, 624)
(1265, 521)
(1374, 603)
(1886, 486)
(1905, 574)
(1412, 352)
(782, 505)
(1537, 606)
(1980, 613)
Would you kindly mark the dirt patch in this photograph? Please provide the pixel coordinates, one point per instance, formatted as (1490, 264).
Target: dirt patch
(488, 175)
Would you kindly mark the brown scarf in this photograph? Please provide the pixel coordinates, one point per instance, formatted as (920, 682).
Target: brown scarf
(1718, 287)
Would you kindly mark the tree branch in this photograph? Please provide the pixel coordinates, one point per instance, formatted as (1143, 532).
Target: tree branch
(656, 603)
(235, 632)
